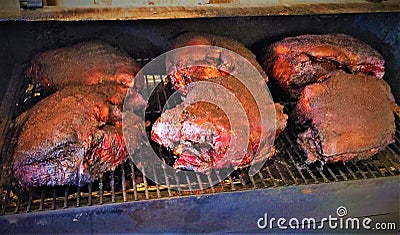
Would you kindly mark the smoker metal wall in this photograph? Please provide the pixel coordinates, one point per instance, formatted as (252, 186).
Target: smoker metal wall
(149, 38)
(227, 212)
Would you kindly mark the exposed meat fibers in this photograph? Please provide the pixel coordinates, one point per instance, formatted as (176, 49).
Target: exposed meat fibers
(201, 133)
(185, 66)
(297, 61)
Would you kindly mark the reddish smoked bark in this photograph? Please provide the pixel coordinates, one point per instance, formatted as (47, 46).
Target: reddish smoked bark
(200, 134)
(186, 66)
(348, 117)
(85, 63)
(72, 137)
(298, 61)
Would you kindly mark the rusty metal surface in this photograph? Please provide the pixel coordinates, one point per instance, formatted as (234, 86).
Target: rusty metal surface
(199, 11)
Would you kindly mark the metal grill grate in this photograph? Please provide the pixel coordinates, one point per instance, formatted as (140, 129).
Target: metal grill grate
(128, 183)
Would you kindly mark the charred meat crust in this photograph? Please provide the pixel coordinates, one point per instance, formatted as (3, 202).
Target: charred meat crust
(298, 61)
(348, 117)
(85, 63)
(200, 134)
(216, 63)
(75, 135)
(71, 137)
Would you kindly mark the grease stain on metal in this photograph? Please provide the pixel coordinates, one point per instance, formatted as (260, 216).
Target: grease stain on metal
(307, 191)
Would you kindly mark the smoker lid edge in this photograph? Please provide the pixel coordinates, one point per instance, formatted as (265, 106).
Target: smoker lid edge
(287, 7)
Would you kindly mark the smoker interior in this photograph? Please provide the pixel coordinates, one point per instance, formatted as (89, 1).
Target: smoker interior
(146, 39)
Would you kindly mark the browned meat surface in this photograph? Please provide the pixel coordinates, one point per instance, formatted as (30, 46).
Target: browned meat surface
(349, 117)
(297, 61)
(85, 63)
(72, 137)
(186, 66)
(201, 133)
